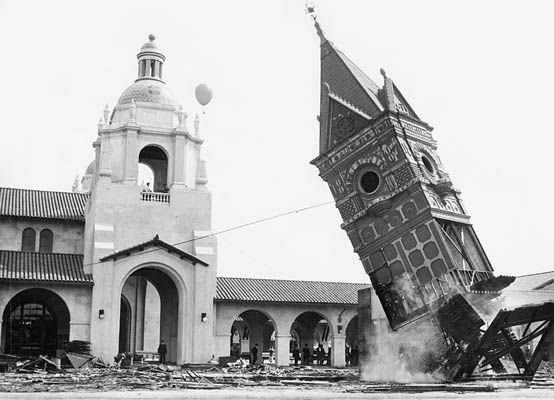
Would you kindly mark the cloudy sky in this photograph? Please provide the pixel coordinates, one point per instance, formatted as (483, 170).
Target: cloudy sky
(479, 72)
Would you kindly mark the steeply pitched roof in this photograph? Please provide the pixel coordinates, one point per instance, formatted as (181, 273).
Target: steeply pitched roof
(532, 281)
(42, 204)
(341, 78)
(348, 81)
(21, 266)
(287, 291)
(152, 243)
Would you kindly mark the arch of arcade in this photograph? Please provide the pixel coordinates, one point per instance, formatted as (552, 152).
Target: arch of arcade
(128, 259)
(299, 312)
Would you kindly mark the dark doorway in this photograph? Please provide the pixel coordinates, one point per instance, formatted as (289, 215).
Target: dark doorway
(156, 159)
(124, 326)
(253, 327)
(36, 323)
(145, 322)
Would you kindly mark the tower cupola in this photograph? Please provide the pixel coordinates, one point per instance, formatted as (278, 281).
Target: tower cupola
(150, 60)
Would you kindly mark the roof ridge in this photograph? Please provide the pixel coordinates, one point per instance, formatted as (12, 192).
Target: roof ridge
(348, 59)
(36, 252)
(155, 241)
(44, 191)
(296, 280)
(535, 273)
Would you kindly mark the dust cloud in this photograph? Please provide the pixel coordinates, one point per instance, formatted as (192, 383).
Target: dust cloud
(402, 356)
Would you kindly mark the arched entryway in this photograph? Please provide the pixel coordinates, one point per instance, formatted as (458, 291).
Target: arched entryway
(252, 328)
(35, 322)
(352, 343)
(156, 160)
(311, 332)
(149, 313)
(125, 325)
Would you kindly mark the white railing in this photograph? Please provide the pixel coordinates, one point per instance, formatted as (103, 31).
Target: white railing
(155, 196)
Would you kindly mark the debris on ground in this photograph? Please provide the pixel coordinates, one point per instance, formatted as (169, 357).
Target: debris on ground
(41, 374)
(40, 365)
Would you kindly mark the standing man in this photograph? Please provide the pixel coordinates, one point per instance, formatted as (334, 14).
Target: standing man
(296, 354)
(356, 355)
(320, 354)
(254, 352)
(162, 351)
(306, 355)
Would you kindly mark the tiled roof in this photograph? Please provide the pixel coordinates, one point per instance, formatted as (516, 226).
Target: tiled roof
(348, 81)
(360, 75)
(285, 291)
(532, 281)
(42, 267)
(152, 243)
(516, 298)
(42, 204)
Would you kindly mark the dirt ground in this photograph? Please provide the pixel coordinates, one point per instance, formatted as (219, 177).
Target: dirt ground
(286, 393)
(42, 380)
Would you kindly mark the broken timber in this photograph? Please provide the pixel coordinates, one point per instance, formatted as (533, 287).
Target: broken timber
(498, 341)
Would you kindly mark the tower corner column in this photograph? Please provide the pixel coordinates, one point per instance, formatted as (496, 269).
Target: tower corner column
(131, 156)
(222, 344)
(282, 350)
(337, 351)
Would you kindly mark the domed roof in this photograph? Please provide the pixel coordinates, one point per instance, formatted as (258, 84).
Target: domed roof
(151, 46)
(90, 168)
(148, 91)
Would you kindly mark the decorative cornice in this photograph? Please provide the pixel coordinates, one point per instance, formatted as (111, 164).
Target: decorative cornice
(379, 199)
(348, 105)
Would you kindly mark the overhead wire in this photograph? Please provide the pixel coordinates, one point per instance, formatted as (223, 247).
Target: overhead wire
(234, 228)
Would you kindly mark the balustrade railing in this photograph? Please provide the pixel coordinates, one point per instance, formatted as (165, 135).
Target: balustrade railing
(469, 278)
(155, 196)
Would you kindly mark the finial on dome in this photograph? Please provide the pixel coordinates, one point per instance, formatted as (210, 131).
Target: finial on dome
(383, 72)
(75, 185)
(196, 125)
(132, 110)
(107, 114)
(151, 37)
(182, 117)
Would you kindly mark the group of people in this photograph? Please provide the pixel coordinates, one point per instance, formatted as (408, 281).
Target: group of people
(160, 188)
(352, 355)
(306, 356)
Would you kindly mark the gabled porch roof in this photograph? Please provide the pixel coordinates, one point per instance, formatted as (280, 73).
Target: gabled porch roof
(155, 242)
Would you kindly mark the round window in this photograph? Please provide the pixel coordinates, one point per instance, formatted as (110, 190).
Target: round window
(428, 164)
(369, 182)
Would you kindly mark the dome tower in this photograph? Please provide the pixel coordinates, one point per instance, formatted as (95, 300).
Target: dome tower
(149, 86)
(148, 127)
(150, 60)
(147, 131)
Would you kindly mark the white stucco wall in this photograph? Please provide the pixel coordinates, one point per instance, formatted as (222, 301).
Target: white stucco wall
(68, 235)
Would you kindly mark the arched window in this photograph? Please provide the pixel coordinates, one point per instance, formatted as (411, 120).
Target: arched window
(35, 322)
(46, 241)
(156, 160)
(28, 240)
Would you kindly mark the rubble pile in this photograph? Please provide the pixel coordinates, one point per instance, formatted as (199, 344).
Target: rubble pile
(45, 375)
(41, 376)
(87, 373)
